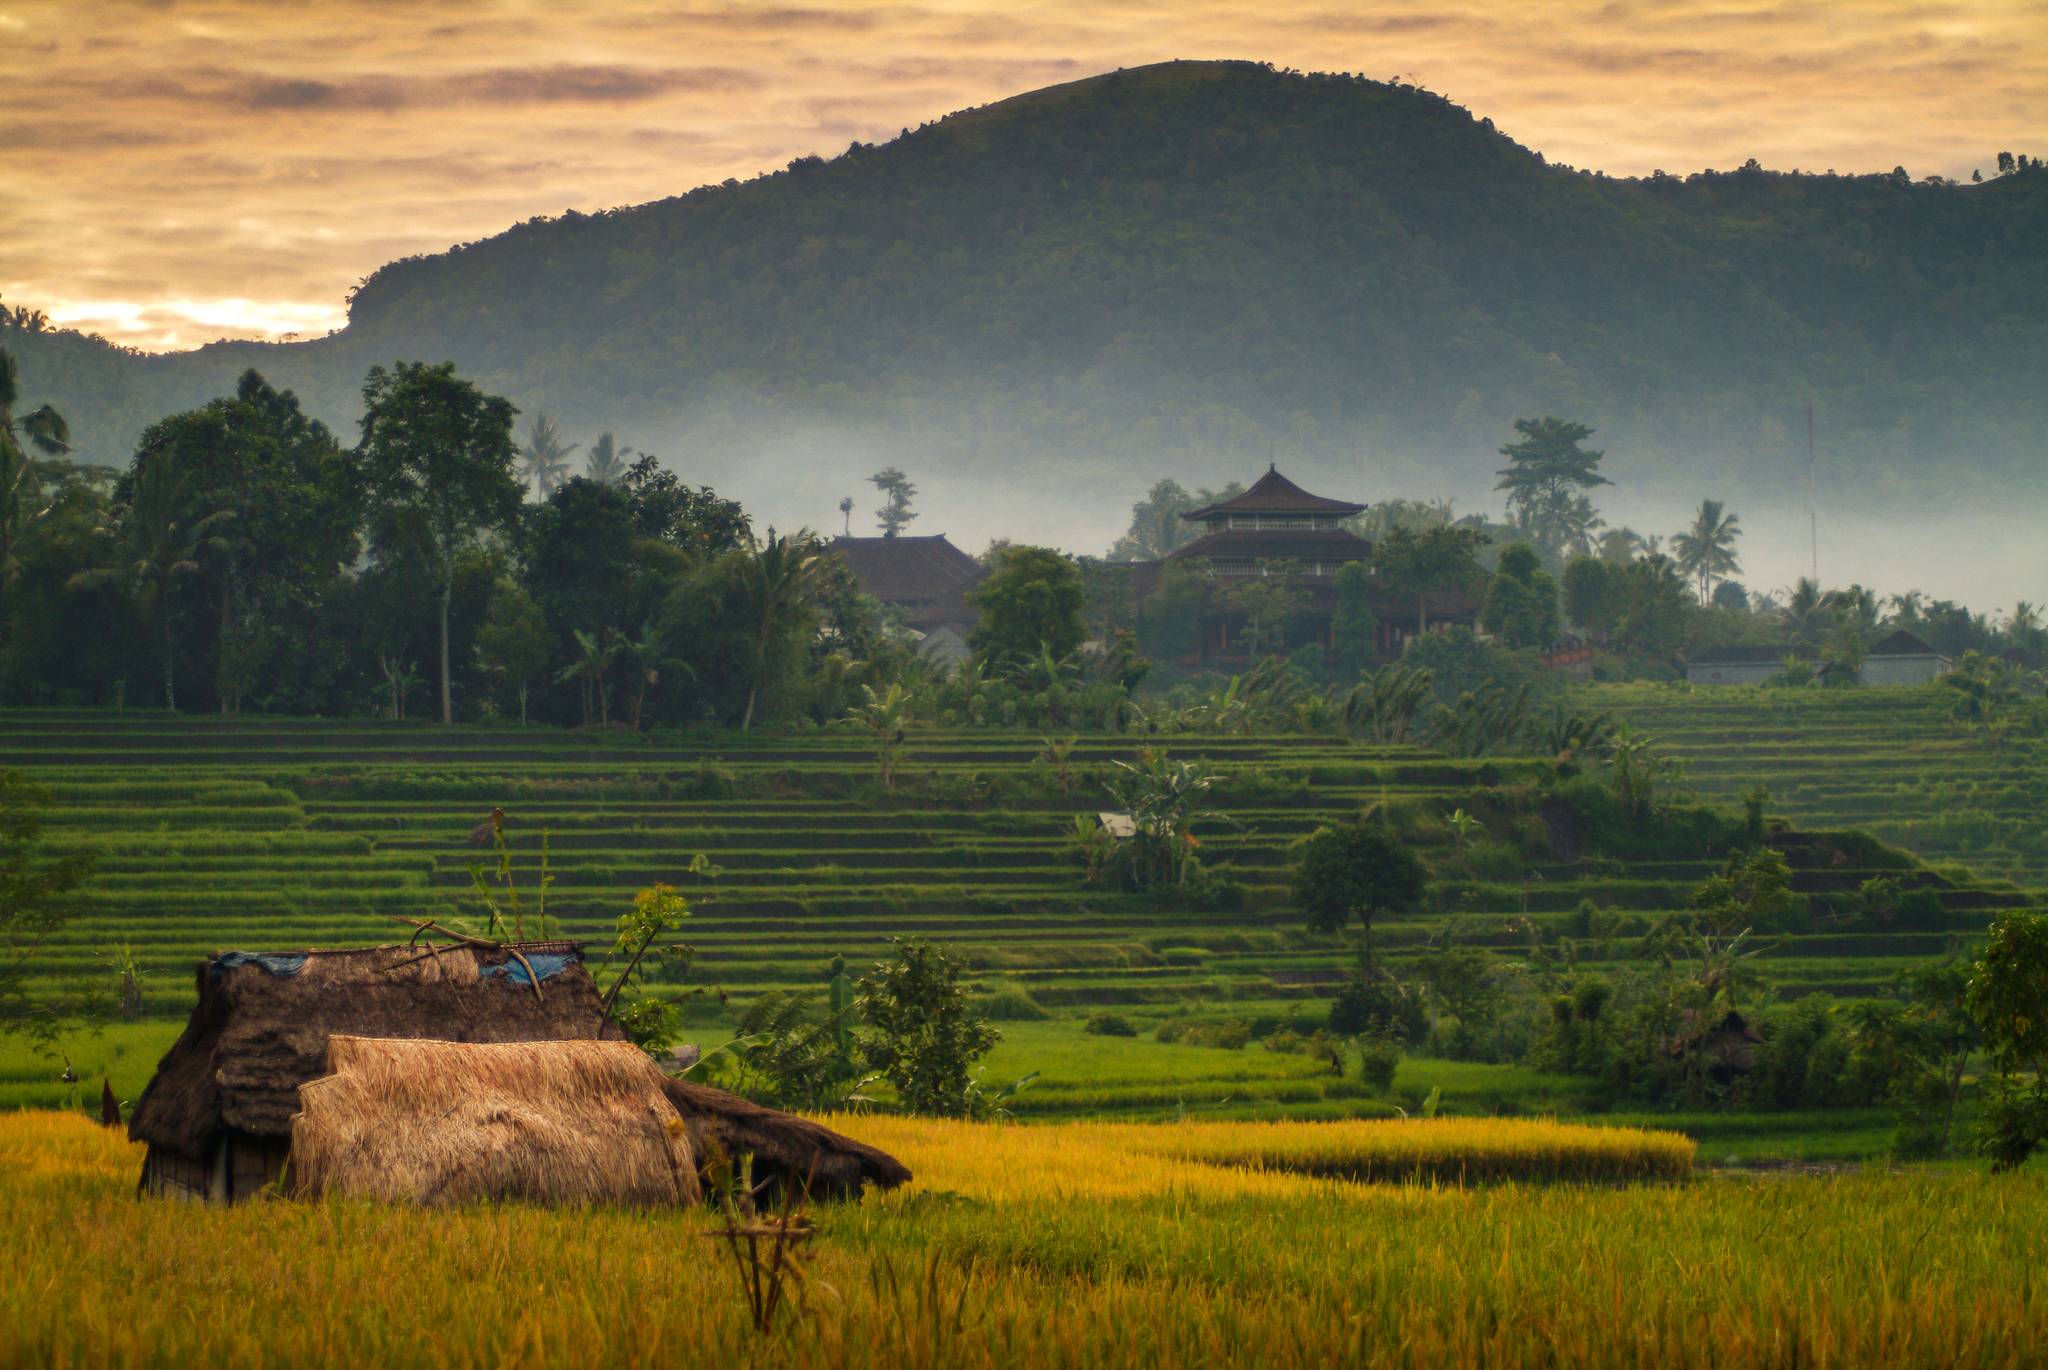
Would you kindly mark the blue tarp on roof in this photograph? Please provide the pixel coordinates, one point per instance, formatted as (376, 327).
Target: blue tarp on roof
(276, 965)
(546, 964)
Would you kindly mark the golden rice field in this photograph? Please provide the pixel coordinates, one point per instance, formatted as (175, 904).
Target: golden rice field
(1082, 1245)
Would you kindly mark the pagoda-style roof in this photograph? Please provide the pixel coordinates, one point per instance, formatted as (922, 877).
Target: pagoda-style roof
(1273, 493)
(1240, 544)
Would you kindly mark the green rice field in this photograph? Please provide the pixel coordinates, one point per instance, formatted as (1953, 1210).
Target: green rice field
(252, 833)
(1895, 763)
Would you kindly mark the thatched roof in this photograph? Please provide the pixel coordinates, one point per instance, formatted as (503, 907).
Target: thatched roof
(786, 1149)
(447, 1122)
(262, 1024)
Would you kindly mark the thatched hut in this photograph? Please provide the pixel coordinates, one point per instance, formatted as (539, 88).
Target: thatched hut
(218, 1115)
(1724, 1045)
(444, 1122)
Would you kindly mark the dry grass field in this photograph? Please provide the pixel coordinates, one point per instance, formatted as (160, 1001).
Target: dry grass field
(1072, 1244)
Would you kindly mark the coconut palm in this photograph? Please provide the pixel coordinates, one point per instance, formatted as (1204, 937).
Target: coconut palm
(157, 541)
(2024, 627)
(1808, 613)
(1706, 551)
(42, 430)
(773, 586)
(606, 462)
(545, 458)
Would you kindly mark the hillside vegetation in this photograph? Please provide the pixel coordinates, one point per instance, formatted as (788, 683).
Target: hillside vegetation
(1206, 258)
(215, 833)
(1895, 763)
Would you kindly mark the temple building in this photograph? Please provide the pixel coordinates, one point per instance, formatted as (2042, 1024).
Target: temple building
(1278, 528)
(926, 580)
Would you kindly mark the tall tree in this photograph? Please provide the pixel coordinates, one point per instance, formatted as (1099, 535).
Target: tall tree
(897, 493)
(1032, 602)
(1436, 562)
(544, 460)
(1157, 528)
(606, 462)
(696, 521)
(1546, 478)
(157, 543)
(438, 457)
(1808, 613)
(297, 514)
(42, 429)
(1521, 604)
(1706, 551)
(774, 590)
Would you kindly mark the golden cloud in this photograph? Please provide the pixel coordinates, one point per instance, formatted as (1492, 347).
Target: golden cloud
(180, 170)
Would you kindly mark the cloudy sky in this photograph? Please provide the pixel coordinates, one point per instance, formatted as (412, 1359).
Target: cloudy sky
(173, 172)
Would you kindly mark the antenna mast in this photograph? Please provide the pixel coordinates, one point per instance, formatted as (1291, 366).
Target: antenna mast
(1812, 512)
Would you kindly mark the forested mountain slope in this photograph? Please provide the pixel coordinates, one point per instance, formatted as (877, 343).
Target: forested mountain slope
(1176, 265)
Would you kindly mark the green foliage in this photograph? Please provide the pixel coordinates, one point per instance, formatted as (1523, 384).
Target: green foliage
(1355, 870)
(1354, 629)
(1545, 480)
(924, 1036)
(1109, 1025)
(1521, 604)
(1030, 603)
(2007, 996)
(39, 896)
(436, 453)
(897, 493)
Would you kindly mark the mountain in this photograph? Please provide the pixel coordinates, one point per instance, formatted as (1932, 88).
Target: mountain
(1191, 267)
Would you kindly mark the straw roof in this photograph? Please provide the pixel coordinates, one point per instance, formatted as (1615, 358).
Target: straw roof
(448, 1122)
(787, 1149)
(261, 1026)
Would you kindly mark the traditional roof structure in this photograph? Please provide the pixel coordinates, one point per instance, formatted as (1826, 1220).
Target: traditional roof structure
(218, 1114)
(1238, 544)
(1273, 493)
(261, 1026)
(1751, 654)
(435, 1123)
(1901, 643)
(926, 577)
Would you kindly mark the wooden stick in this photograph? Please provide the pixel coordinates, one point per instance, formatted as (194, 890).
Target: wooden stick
(429, 925)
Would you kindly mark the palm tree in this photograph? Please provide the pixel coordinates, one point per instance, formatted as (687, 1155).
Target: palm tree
(1809, 612)
(2024, 627)
(1907, 607)
(773, 587)
(157, 542)
(42, 429)
(594, 655)
(1706, 551)
(545, 458)
(606, 463)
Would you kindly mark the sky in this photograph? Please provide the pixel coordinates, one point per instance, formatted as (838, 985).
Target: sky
(173, 172)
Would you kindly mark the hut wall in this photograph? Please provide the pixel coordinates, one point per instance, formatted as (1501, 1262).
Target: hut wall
(237, 1166)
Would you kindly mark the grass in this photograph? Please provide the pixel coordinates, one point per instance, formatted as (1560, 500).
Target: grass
(1071, 1245)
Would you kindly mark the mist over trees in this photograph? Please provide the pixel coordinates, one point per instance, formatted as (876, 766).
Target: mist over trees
(1040, 286)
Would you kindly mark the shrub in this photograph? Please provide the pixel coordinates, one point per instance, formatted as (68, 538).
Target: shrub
(1110, 1025)
(1378, 1058)
(1011, 1004)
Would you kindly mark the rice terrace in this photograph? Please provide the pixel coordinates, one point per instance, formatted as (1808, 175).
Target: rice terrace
(1209, 715)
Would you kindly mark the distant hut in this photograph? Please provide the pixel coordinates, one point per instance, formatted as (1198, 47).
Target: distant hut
(445, 1122)
(218, 1115)
(1725, 1045)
